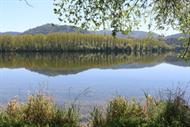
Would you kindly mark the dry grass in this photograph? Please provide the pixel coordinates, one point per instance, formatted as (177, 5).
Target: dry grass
(75, 42)
(170, 110)
(38, 111)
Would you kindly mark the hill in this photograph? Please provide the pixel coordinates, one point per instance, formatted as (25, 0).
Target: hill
(132, 34)
(9, 33)
(174, 39)
(51, 28)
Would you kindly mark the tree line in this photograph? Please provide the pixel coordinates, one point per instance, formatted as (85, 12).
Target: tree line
(77, 42)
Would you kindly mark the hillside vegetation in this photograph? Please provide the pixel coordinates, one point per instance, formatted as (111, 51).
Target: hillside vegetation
(67, 42)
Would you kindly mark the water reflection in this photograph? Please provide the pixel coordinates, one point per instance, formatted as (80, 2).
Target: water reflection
(52, 64)
(66, 75)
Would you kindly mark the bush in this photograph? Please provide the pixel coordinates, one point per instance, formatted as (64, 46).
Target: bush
(174, 112)
(39, 110)
(170, 111)
(120, 113)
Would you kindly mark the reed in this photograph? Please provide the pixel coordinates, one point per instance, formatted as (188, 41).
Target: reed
(77, 42)
(169, 110)
(38, 111)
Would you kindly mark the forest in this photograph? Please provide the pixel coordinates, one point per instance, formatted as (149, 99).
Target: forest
(77, 42)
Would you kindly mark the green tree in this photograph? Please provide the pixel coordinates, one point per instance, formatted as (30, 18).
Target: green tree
(175, 14)
(123, 15)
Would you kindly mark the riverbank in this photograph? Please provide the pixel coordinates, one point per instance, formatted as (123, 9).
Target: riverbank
(170, 109)
(77, 42)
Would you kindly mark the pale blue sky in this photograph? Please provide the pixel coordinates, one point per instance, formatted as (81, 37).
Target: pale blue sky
(15, 15)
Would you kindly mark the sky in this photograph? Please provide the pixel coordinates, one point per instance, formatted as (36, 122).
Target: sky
(15, 15)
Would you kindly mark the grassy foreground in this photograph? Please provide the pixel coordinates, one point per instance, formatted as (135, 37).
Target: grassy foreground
(40, 111)
(68, 42)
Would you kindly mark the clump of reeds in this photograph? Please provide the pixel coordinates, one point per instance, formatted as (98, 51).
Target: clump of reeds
(168, 111)
(38, 111)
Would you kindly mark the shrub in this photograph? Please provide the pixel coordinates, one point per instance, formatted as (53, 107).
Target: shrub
(170, 111)
(120, 113)
(39, 110)
(174, 112)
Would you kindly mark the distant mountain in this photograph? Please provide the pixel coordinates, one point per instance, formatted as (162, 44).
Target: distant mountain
(50, 28)
(174, 39)
(142, 34)
(10, 33)
(133, 34)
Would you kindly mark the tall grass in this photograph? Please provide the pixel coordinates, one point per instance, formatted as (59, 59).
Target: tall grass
(38, 111)
(170, 110)
(67, 42)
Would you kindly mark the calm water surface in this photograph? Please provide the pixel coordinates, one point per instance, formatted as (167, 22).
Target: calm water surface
(90, 77)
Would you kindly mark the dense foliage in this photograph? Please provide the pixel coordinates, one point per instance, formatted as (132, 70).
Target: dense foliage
(77, 42)
(121, 15)
(39, 110)
(124, 15)
(169, 110)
